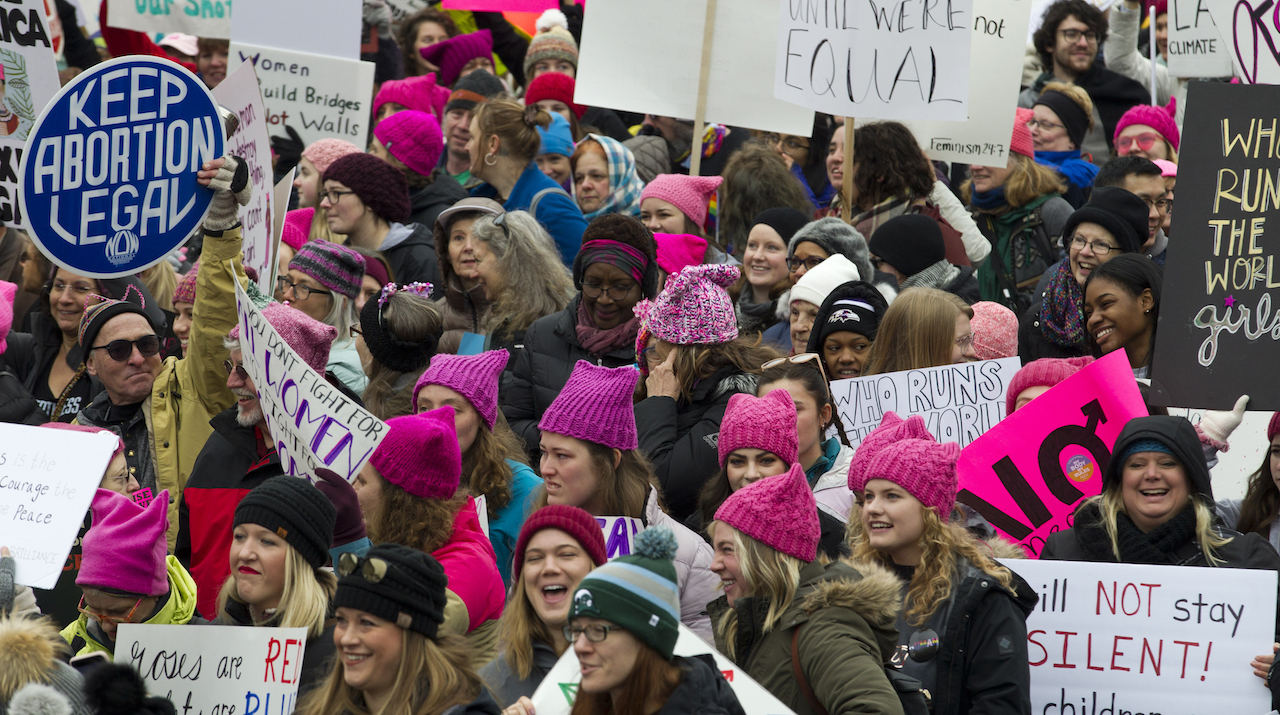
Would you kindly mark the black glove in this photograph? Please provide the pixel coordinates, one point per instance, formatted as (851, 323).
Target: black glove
(288, 151)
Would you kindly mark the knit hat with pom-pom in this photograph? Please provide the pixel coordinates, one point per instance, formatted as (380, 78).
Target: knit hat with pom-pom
(892, 429)
(637, 592)
(595, 406)
(553, 42)
(779, 512)
(926, 469)
(767, 423)
(694, 308)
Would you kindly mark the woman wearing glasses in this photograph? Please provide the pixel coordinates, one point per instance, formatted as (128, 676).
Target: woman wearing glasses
(923, 327)
(1060, 120)
(1121, 307)
(1149, 132)
(323, 281)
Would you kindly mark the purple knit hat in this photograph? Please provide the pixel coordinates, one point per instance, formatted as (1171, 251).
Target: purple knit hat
(892, 429)
(475, 377)
(995, 331)
(420, 94)
(926, 469)
(125, 548)
(694, 308)
(1158, 118)
(380, 186)
(690, 194)
(412, 137)
(420, 454)
(335, 267)
(453, 54)
(595, 406)
(767, 423)
(324, 152)
(308, 337)
(779, 512)
(297, 228)
(185, 291)
(1045, 372)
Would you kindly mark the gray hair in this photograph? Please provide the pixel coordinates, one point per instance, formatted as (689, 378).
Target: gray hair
(535, 282)
(342, 315)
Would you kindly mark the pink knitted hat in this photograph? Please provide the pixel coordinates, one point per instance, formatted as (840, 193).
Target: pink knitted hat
(595, 406)
(420, 94)
(677, 250)
(453, 54)
(297, 227)
(1021, 142)
(7, 292)
(420, 454)
(412, 137)
(1045, 372)
(690, 194)
(88, 430)
(767, 423)
(324, 152)
(1158, 118)
(475, 377)
(185, 291)
(694, 308)
(779, 512)
(308, 337)
(125, 548)
(892, 429)
(1167, 168)
(926, 469)
(995, 331)
(553, 85)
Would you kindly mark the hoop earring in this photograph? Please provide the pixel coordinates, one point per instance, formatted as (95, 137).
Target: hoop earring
(490, 159)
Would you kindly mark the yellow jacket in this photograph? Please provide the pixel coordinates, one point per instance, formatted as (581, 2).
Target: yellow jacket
(179, 610)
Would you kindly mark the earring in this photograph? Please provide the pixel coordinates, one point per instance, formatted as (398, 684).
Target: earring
(1148, 310)
(490, 159)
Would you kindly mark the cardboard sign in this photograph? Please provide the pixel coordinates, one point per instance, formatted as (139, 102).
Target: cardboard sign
(1108, 639)
(501, 5)
(1222, 324)
(30, 80)
(662, 69)
(47, 482)
(312, 423)
(239, 94)
(1027, 475)
(202, 18)
(280, 208)
(559, 688)
(110, 182)
(321, 27)
(885, 59)
(958, 402)
(227, 670)
(619, 533)
(319, 96)
(995, 72)
(1252, 33)
(1196, 48)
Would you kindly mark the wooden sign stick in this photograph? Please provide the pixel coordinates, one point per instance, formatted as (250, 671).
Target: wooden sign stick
(704, 74)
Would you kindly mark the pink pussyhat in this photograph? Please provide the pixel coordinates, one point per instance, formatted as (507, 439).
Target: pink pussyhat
(86, 429)
(125, 549)
(7, 293)
(475, 377)
(595, 406)
(297, 228)
(676, 251)
(420, 454)
(1021, 142)
(892, 428)
(779, 512)
(1045, 372)
(767, 423)
(691, 194)
(694, 308)
(926, 469)
(308, 337)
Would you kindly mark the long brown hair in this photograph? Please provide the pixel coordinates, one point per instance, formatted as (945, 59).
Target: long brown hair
(515, 126)
(484, 466)
(694, 363)
(652, 678)
(623, 489)
(890, 164)
(918, 331)
(1261, 501)
(422, 524)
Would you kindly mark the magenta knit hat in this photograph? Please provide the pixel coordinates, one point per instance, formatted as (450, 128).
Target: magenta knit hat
(779, 512)
(571, 520)
(124, 550)
(553, 85)
(420, 454)
(453, 54)
(892, 429)
(1045, 372)
(1273, 427)
(995, 331)
(297, 228)
(1021, 142)
(324, 152)
(475, 377)
(1158, 118)
(694, 308)
(690, 194)
(420, 94)
(308, 337)
(412, 137)
(677, 250)
(88, 430)
(595, 406)
(185, 291)
(926, 469)
(7, 293)
(767, 423)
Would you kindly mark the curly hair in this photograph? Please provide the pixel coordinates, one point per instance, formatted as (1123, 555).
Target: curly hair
(422, 524)
(889, 163)
(1045, 39)
(485, 469)
(755, 179)
(534, 280)
(407, 35)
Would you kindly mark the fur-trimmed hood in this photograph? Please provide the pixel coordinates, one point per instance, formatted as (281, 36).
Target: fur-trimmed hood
(29, 650)
(877, 596)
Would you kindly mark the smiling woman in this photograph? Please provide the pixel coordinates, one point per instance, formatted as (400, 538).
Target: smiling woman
(1121, 307)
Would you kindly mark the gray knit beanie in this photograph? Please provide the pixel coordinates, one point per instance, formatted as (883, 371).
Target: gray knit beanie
(835, 236)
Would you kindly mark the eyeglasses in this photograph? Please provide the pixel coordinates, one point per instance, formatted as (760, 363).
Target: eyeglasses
(793, 264)
(594, 632)
(237, 368)
(121, 350)
(650, 356)
(372, 570)
(333, 195)
(105, 619)
(1047, 126)
(1089, 36)
(356, 331)
(77, 289)
(1099, 248)
(1163, 206)
(789, 142)
(965, 341)
(302, 291)
(616, 291)
(801, 359)
(1145, 141)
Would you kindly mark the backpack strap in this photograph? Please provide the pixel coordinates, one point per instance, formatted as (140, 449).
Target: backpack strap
(805, 688)
(533, 205)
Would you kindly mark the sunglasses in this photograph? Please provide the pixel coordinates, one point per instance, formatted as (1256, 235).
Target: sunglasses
(372, 570)
(122, 350)
(801, 359)
(1145, 141)
(238, 369)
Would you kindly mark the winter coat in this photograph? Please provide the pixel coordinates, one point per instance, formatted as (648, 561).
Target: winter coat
(30, 357)
(680, 436)
(410, 250)
(31, 656)
(702, 691)
(178, 609)
(835, 499)
(475, 595)
(1112, 94)
(779, 336)
(188, 391)
(1032, 343)
(344, 363)
(540, 370)
(845, 616)
(317, 656)
(507, 686)
(484, 704)
(1028, 238)
(556, 210)
(17, 406)
(1229, 512)
(698, 585)
(426, 202)
(228, 468)
(651, 156)
(504, 530)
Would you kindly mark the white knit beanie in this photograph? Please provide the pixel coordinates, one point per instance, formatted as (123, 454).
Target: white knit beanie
(817, 283)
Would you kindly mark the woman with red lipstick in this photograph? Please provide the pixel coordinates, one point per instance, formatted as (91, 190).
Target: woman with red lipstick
(1121, 305)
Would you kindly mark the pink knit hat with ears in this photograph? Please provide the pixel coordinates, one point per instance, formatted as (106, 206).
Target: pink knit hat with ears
(7, 292)
(676, 251)
(125, 548)
(414, 138)
(297, 228)
(420, 94)
(694, 308)
(595, 406)
(420, 454)
(475, 377)
(308, 337)
(892, 429)
(767, 423)
(926, 469)
(1045, 372)
(779, 512)
(453, 54)
(1021, 142)
(1160, 119)
(995, 331)
(324, 152)
(690, 194)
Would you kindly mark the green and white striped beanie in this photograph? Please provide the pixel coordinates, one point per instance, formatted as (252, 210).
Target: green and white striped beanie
(637, 592)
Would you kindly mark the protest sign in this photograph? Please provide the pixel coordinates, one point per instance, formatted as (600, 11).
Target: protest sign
(1196, 49)
(319, 96)
(28, 82)
(110, 186)
(1252, 35)
(662, 70)
(957, 402)
(322, 27)
(619, 533)
(1117, 639)
(202, 18)
(888, 59)
(556, 694)
(1027, 475)
(239, 94)
(225, 670)
(47, 481)
(995, 72)
(501, 5)
(311, 422)
(280, 209)
(1219, 327)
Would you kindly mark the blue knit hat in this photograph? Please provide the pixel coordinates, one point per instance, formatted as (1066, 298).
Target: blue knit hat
(556, 137)
(1146, 445)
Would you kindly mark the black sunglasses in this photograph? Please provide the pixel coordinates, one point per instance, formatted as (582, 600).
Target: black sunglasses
(121, 350)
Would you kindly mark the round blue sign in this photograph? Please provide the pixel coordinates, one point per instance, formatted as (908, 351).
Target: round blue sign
(109, 172)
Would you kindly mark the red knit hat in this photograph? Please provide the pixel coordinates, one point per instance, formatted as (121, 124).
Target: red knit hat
(414, 138)
(691, 194)
(417, 93)
(1158, 118)
(553, 85)
(892, 429)
(453, 54)
(420, 454)
(779, 512)
(595, 406)
(676, 251)
(767, 423)
(995, 331)
(1021, 142)
(926, 469)
(571, 520)
(1045, 372)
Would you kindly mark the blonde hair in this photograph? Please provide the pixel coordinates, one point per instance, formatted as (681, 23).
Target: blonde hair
(1026, 181)
(917, 331)
(771, 574)
(623, 489)
(320, 230)
(515, 126)
(304, 598)
(1111, 502)
(519, 627)
(161, 282)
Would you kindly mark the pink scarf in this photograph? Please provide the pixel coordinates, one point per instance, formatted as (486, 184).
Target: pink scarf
(599, 342)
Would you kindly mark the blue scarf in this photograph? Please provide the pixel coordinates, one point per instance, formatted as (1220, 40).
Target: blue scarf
(1069, 164)
(989, 200)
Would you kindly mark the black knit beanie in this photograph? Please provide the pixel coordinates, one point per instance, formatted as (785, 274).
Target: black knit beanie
(298, 512)
(909, 243)
(407, 587)
(1121, 212)
(1072, 115)
(477, 87)
(783, 219)
(386, 347)
(623, 229)
(381, 186)
(853, 307)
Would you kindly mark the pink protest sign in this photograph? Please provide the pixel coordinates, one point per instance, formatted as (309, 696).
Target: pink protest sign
(1027, 474)
(501, 5)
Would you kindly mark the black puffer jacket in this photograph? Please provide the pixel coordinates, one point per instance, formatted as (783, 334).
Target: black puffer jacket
(413, 258)
(17, 406)
(702, 690)
(426, 203)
